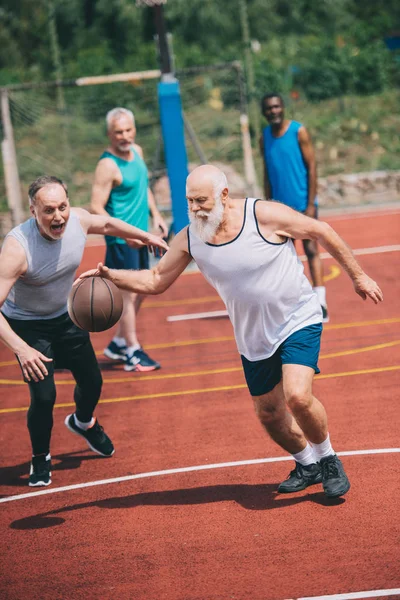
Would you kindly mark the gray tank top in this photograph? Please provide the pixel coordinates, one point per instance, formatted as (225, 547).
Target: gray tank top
(42, 292)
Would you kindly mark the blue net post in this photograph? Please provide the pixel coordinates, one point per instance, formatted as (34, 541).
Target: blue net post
(172, 127)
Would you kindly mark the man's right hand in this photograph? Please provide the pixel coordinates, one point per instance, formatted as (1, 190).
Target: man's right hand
(33, 364)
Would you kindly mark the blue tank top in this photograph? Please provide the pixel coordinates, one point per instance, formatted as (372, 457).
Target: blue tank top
(287, 172)
(128, 201)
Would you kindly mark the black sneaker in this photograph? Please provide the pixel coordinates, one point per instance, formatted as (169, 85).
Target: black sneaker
(334, 479)
(96, 438)
(40, 472)
(115, 352)
(300, 478)
(325, 316)
(140, 361)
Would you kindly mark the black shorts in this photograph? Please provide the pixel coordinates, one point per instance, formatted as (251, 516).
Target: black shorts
(59, 339)
(121, 256)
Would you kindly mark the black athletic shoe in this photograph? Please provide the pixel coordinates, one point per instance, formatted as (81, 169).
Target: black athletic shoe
(300, 478)
(96, 438)
(140, 361)
(325, 316)
(334, 479)
(115, 352)
(40, 472)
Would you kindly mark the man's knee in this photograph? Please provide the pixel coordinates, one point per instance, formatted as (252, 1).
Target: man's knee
(268, 408)
(299, 400)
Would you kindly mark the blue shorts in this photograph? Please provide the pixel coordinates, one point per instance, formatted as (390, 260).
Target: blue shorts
(300, 348)
(121, 256)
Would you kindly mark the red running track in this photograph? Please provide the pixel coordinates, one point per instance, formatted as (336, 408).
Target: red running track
(219, 531)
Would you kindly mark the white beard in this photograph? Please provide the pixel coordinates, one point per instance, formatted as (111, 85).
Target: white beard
(205, 224)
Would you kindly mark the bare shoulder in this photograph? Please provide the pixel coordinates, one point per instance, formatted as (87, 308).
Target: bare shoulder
(138, 149)
(106, 166)
(13, 260)
(303, 134)
(180, 241)
(81, 213)
(269, 210)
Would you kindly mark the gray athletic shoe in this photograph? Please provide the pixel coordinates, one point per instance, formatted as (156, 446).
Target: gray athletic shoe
(334, 480)
(300, 478)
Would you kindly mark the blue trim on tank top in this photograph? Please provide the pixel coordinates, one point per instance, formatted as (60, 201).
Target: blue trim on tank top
(258, 229)
(238, 235)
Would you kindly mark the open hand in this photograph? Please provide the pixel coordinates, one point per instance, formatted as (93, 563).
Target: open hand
(101, 271)
(368, 288)
(33, 364)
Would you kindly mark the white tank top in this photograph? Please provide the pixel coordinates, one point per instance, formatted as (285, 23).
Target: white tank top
(42, 292)
(262, 284)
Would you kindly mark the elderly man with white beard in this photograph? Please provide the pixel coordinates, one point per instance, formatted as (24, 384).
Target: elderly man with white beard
(245, 249)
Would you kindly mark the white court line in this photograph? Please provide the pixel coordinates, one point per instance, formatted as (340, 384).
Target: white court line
(353, 595)
(203, 315)
(361, 251)
(239, 463)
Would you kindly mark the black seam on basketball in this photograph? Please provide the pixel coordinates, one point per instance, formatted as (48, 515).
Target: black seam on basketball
(91, 305)
(72, 303)
(112, 302)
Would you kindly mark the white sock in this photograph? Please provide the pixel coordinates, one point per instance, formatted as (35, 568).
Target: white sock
(320, 290)
(324, 449)
(133, 349)
(84, 426)
(305, 457)
(120, 341)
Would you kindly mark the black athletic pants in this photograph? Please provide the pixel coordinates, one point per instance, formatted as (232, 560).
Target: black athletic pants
(70, 348)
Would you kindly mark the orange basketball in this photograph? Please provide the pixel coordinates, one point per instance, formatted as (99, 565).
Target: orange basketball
(95, 304)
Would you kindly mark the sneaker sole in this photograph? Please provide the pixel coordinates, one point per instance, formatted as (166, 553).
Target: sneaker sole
(338, 494)
(140, 368)
(114, 356)
(40, 483)
(83, 437)
(299, 489)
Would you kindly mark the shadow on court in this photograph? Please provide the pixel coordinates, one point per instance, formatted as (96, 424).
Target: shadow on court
(17, 475)
(250, 497)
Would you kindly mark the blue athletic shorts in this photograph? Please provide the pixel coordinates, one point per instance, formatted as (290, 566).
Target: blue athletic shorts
(300, 348)
(121, 256)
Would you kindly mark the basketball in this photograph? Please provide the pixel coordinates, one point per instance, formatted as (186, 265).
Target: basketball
(95, 304)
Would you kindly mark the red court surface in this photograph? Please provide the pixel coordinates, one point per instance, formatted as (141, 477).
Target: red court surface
(187, 507)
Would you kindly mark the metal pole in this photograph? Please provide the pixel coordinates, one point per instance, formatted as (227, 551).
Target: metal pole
(254, 116)
(13, 188)
(172, 125)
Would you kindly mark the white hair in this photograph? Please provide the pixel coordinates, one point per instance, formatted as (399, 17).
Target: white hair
(113, 114)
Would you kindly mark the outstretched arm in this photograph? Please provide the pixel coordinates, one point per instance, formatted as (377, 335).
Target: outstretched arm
(106, 225)
(150, 281)
(282, 220)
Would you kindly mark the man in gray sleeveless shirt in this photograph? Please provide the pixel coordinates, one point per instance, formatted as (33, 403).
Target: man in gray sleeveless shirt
(275, 314)
(38, 261)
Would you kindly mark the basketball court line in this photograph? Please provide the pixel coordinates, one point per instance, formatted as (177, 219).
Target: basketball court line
(224, 388)
(353, 595)
(193, 342)
(158, 377)
(224, 465)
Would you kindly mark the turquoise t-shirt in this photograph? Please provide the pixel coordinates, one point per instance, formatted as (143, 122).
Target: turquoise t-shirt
(128, 201)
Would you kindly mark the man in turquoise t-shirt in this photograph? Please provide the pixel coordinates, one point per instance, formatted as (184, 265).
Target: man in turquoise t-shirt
(290, 176)
(121, 189)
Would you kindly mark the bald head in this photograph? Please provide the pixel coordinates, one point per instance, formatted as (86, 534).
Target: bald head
(206, 180)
